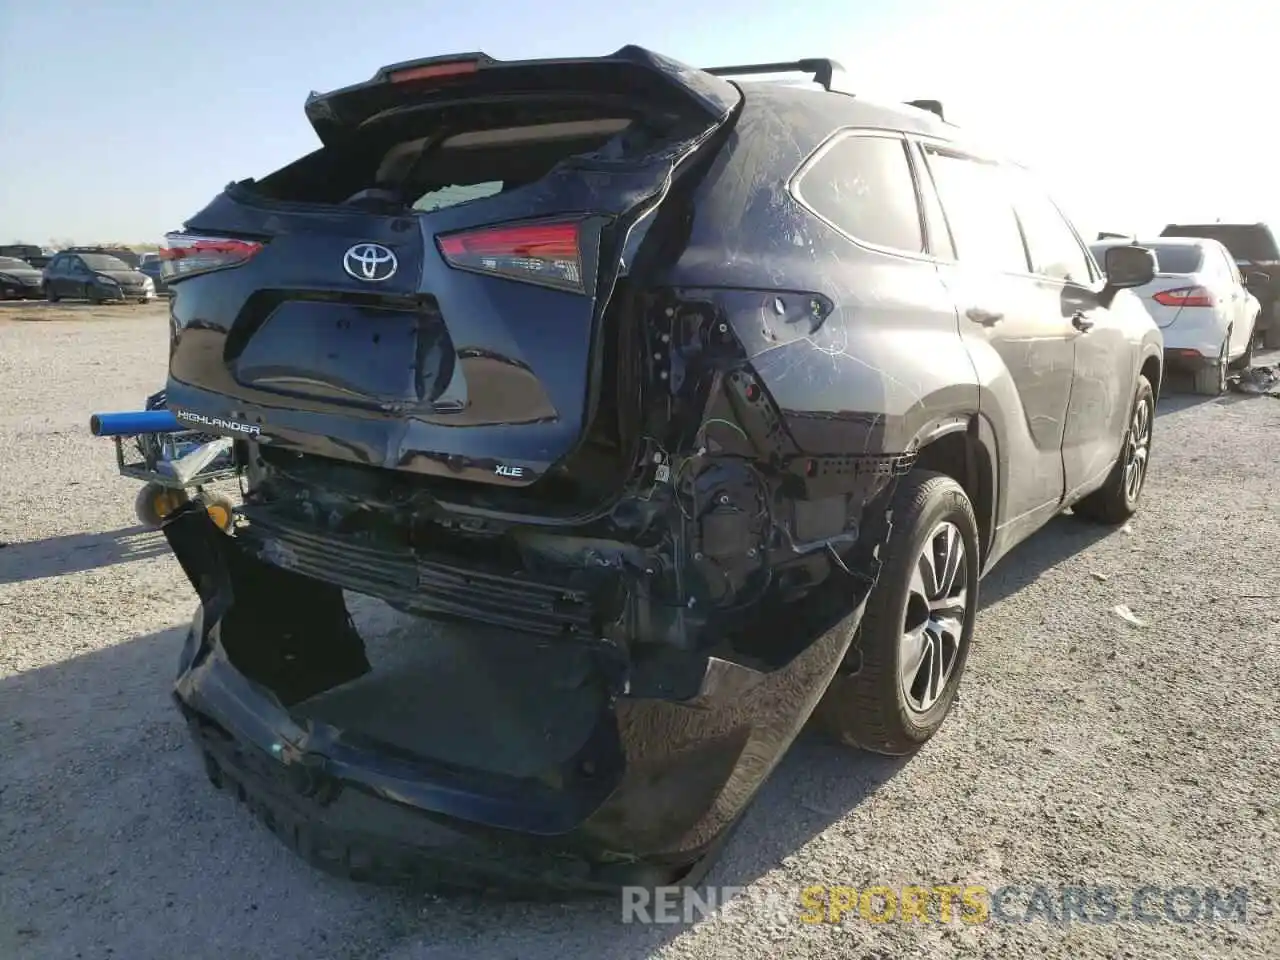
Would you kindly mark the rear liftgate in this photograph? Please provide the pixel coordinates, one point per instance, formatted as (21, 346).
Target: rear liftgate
(522, 761)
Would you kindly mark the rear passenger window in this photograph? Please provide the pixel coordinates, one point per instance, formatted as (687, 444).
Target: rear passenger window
(1055, 251)
(863, 185)
(978, 204)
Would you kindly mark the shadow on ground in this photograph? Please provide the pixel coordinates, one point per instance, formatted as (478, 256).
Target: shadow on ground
(77, 552)
(107, 821)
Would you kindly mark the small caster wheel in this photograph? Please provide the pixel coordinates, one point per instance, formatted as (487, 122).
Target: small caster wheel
(156, 501)
(221, 511)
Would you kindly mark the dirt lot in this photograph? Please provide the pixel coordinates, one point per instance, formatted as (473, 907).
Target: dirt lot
(1086, 750)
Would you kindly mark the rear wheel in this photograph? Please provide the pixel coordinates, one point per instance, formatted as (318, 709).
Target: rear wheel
(1117, 499)
(1211, 380)
(914, 638)
(1245, 360)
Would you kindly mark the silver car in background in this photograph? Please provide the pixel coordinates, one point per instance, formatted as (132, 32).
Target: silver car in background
(1199, 300)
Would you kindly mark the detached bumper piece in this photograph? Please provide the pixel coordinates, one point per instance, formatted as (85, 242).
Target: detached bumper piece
(595, 791)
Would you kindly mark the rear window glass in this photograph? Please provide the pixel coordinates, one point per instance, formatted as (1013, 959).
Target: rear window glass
(453, 195)
(1171, 258)
(863, 185)
(1246, 242)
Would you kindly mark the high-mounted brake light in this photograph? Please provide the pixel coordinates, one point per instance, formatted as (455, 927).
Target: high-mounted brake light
(1184, 297)
(434, 71)
(184, 254)
(548, 254)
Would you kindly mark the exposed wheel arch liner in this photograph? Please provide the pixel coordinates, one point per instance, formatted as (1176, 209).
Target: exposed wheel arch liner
(963, 445)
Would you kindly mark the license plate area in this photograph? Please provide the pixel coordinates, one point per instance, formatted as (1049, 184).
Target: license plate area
(349, 353)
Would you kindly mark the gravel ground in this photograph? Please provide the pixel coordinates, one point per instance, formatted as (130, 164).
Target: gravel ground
(1086, 750)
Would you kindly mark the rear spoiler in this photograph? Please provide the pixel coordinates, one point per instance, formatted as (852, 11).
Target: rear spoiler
(825, 72)
(631, 73)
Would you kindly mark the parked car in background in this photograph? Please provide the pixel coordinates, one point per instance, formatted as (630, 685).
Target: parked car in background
(21, 251)
(95, 277)
(150, 265)
(661, 372)
(1199, 301)
(19, 280)
(130, 258)
(1256, 252)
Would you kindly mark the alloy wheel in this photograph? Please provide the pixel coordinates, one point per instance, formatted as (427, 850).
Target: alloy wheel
(1138, 450)
(937, 599)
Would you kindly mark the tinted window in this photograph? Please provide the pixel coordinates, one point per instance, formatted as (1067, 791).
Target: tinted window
(1183, 259)
(1245, 241)
(977, 200)
(100, 261)
(863, 185)
(9, 263)
(1051, 243)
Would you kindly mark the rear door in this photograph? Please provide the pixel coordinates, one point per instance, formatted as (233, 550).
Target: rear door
(1104, 358)
(1021, 344)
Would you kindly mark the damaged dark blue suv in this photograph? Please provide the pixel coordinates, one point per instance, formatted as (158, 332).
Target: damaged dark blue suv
(704, 403)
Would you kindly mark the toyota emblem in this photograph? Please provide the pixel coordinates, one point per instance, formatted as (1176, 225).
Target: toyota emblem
(370, 261)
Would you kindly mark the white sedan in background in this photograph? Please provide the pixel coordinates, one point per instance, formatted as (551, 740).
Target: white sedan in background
(1199, 301)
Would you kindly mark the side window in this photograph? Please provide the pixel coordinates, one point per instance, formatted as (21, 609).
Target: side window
(863, 185)
(1233, 269)
(1054, 248)
(976, 199)
(938, 237)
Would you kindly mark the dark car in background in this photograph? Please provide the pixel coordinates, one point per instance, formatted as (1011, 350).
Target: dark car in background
(130, 258)
(95, 277)
(150, 265)
(1257, 254)
(19, 280)
(704, 403)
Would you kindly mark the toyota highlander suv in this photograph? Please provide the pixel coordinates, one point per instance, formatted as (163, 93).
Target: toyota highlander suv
(705, 403)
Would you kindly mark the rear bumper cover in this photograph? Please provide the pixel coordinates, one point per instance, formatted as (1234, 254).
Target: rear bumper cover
(653, 789)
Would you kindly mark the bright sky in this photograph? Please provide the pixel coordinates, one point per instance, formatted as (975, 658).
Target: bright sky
(118, 120)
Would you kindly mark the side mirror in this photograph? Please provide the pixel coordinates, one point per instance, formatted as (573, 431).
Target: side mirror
(1257, 279)
(1130, 266)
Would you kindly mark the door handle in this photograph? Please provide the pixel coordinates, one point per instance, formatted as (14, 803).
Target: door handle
(984, 317)
(1081, 322)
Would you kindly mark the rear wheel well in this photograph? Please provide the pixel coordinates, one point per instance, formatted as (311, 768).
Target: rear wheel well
(963, 458)
(1151, 370)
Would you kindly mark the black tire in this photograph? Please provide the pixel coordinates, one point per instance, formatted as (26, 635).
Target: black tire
(155, 502)
(49, 294)
(1271, 335)
(869, 707)
(1112, 503)
(1245, 360)
(1211, 380)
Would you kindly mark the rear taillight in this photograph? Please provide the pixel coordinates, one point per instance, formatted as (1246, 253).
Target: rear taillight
(548, 254)
(184, 254)
(1184, 297)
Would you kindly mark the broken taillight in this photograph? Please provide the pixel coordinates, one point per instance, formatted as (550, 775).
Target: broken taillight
(184, 255)
(548, 254)
(1184, 297)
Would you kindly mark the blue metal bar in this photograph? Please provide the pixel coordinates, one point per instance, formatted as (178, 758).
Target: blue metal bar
(133, 423)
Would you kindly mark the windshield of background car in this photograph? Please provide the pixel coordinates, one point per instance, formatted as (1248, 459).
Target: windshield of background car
(1246, 242)
(99, 261)
(12, 263)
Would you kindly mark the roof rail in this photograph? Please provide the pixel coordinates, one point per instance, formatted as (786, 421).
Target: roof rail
(933, 106)
(824, 70)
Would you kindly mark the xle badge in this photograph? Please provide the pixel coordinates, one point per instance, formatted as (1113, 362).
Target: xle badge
(503, 470)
